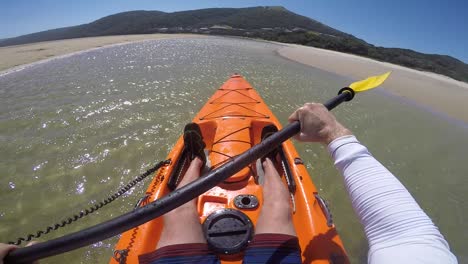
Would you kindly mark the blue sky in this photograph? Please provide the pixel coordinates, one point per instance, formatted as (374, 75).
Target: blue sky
(430, 26)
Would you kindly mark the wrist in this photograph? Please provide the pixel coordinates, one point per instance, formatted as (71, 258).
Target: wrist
(336, 132)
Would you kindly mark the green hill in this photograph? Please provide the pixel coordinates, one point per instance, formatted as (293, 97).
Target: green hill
(270, 23)
(143, 22)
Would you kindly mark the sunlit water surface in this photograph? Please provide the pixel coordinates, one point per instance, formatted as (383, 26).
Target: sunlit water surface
(74, 130)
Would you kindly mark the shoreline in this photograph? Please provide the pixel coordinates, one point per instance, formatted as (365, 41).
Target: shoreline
(18, 57)
(432, 91)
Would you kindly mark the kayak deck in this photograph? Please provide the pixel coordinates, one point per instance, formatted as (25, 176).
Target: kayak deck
(231, 123)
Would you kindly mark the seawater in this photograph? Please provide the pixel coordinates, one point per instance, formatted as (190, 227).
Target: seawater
(74, 130)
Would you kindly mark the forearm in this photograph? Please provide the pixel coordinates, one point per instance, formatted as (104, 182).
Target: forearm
(389, 214)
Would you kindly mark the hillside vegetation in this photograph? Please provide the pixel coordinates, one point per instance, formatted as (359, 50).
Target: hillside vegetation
(270, 23)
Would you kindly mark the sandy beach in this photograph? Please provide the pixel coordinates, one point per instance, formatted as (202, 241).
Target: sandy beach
(438, 92)
(14, 56)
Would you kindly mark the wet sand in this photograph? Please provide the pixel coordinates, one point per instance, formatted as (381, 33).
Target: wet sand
(19, 55)
(437, 92)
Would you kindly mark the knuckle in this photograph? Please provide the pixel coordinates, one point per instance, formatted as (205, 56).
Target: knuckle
(310, 107)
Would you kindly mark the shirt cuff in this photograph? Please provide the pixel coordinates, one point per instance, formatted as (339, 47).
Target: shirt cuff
(341, 141)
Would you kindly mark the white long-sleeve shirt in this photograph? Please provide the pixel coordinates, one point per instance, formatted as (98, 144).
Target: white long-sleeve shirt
(397, 229)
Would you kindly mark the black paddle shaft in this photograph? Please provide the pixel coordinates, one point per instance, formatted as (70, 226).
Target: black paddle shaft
(344, 95)
(164, 204)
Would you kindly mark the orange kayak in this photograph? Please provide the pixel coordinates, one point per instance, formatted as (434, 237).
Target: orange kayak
(231, 122)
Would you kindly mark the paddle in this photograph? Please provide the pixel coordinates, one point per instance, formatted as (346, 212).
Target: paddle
(180, 196)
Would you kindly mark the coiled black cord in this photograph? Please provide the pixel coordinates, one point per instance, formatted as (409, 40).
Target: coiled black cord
(93, 208)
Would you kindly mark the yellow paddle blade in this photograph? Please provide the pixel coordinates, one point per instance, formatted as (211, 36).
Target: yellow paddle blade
(369, 83)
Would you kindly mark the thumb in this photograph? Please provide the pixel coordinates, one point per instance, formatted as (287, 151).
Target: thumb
(294, 116)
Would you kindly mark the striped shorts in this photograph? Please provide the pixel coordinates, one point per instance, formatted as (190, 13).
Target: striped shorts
(264, 248)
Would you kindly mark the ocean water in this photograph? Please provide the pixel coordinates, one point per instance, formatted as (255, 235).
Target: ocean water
(74, 130)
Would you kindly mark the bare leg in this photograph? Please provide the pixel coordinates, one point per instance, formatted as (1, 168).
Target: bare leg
(182, 224)
(276, 214)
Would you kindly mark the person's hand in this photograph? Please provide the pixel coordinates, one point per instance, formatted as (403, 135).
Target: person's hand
(317, 124)
(5, 249)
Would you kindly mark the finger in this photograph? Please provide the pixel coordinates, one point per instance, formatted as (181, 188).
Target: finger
(299, 136)
(294, 116)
